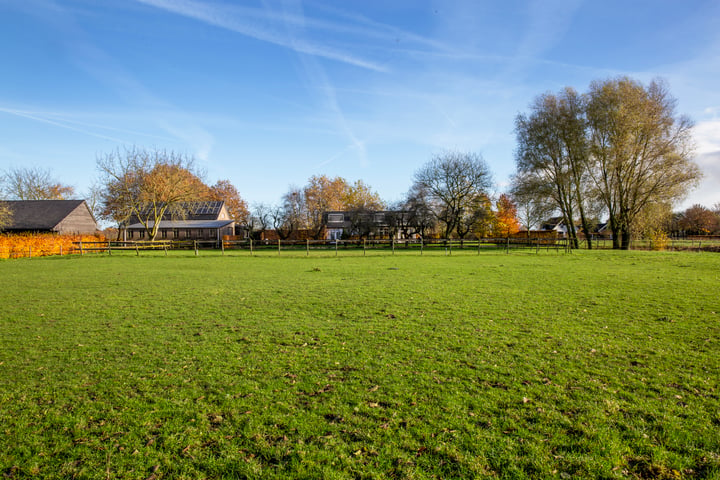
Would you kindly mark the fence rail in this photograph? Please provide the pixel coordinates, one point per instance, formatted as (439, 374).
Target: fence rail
(419, 246)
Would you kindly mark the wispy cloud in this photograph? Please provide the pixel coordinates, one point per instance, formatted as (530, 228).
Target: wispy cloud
(262, 26)
(319, 82)
(109, 71)
(68, 120)
(58, 123)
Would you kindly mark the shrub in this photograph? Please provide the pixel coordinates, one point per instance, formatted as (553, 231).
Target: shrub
(42, 244)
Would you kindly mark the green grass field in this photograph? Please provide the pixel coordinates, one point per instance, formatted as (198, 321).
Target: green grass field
(584, 365)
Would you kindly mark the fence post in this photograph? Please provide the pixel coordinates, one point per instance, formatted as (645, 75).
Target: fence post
(29, 252)
(195, 243)
(507, 245)
(422, 243)
(61, 249)
(336, 246)
(251, 248)
(278, 246)
(364, 247)
(137, 250)
(307, 247)
(393, 245)
(81, 249)
(537, 246)
(478, 246)
(222, 247)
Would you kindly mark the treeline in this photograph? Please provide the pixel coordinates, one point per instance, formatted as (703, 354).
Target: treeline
(618, 151)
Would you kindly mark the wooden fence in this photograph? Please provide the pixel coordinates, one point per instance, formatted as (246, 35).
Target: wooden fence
(390, 246)
(446, 246)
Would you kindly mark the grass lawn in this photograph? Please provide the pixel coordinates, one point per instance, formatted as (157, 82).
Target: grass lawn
(589, 365)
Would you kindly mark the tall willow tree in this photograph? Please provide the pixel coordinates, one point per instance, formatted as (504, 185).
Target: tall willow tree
(620, 145)
(552, 156)
(641, 151)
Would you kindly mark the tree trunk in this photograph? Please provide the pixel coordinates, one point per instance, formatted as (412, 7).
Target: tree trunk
(616, 232)
(585, 227)
(625, 241)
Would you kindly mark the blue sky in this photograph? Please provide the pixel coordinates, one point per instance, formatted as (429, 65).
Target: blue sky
(267, 93)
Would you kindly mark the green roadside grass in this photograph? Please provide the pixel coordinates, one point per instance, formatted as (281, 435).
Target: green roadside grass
(522, 365)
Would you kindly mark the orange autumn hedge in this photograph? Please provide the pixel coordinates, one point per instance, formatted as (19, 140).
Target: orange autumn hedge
(40, 245)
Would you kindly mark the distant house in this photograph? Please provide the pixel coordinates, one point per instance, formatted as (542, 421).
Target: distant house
(375, 223)
(50, 216)
(557, 224)
(199, 221)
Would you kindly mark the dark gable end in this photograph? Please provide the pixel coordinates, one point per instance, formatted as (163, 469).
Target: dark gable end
(56, 216)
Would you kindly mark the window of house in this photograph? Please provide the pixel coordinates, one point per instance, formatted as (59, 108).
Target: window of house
(335, 217)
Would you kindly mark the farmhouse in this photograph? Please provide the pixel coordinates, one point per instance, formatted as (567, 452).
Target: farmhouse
(366, 223)
(50, 216)
(195, 221)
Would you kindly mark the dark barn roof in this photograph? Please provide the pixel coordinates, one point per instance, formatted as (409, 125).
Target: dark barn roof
(204, 210)
(50, 216)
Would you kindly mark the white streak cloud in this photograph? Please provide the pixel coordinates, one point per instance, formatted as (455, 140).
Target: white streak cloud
(224, 18)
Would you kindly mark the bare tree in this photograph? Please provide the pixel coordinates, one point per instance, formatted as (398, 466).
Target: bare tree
(452, 181)
(291, 215)
(261, 218)
(641, 150)
(474, 216)
(34, 184)
(147, 185)
(533, 207)
(552, 156)
(419, 209)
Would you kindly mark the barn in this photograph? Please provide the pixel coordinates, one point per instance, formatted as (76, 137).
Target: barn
(50, 216)
(207, 220)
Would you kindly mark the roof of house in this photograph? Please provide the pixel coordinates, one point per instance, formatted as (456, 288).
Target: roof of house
(201, 210)
(171, 224)
(554, 221)
(36, 215)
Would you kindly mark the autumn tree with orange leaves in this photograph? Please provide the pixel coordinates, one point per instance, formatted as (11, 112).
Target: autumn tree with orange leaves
(224, 191)
(146, 185)
(506, 222)
(322, 194)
